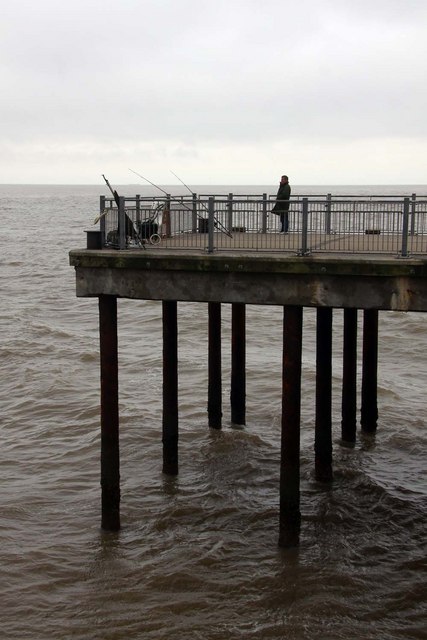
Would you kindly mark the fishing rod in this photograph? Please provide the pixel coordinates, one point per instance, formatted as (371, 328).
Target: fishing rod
(186, 186)
(129, 226)
(116, 199)
(216, 221)
(152, 184)
(113, 191)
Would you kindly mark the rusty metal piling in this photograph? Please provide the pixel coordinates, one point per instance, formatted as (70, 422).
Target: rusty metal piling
(323, 424)
(238, 364)
(290, 516)
(110, 458)
(214, 366)
(369, 407)
(170, 387)
(349, 377)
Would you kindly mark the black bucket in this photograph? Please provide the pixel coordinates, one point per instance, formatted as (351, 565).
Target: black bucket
(203, 225)
(93, 240)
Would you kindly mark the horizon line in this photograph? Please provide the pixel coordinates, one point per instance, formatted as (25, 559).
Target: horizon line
(217, 184)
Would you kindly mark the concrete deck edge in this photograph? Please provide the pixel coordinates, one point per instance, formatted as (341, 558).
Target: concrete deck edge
(344, 264)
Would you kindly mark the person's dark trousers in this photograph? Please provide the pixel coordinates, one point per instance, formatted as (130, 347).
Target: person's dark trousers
(284, 220)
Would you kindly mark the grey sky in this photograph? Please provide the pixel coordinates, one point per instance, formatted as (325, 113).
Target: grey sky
(224, 92)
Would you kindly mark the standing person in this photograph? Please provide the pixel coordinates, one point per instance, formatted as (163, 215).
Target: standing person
(281, 208)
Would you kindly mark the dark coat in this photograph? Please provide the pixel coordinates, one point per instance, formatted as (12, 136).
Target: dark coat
(282, 200)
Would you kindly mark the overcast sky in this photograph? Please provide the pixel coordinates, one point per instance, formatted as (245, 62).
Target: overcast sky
(220, 92)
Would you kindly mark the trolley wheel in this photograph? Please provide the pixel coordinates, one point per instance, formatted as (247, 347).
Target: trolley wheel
(155, 238)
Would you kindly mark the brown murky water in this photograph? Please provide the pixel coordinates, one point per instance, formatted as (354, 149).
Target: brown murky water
(197, 556)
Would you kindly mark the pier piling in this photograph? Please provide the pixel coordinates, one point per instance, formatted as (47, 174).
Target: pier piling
(290, 516)
(214, 366)
(238, 364)
(369, 405)
(349, 379)
(170, 387)
(323, 424)
(110, 458)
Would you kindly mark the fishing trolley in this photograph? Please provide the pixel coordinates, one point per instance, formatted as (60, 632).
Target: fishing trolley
(138, 231)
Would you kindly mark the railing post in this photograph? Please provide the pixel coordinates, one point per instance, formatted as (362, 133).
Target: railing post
(122, 223)
(168, 206)
(102, 219)
(230, 212)
(138, 207)
(304, 231)
(328, 214)
(194, 214)
(405, 227)
(413, 210)
(264, 213)
(166, 218)
(211, 209)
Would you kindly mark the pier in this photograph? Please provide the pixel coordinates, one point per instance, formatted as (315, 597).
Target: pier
(359, 255)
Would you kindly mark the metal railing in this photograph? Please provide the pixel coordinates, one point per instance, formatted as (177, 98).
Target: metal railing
(317, 224)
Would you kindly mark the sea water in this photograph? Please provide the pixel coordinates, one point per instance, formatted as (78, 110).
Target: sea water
(197, 555)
